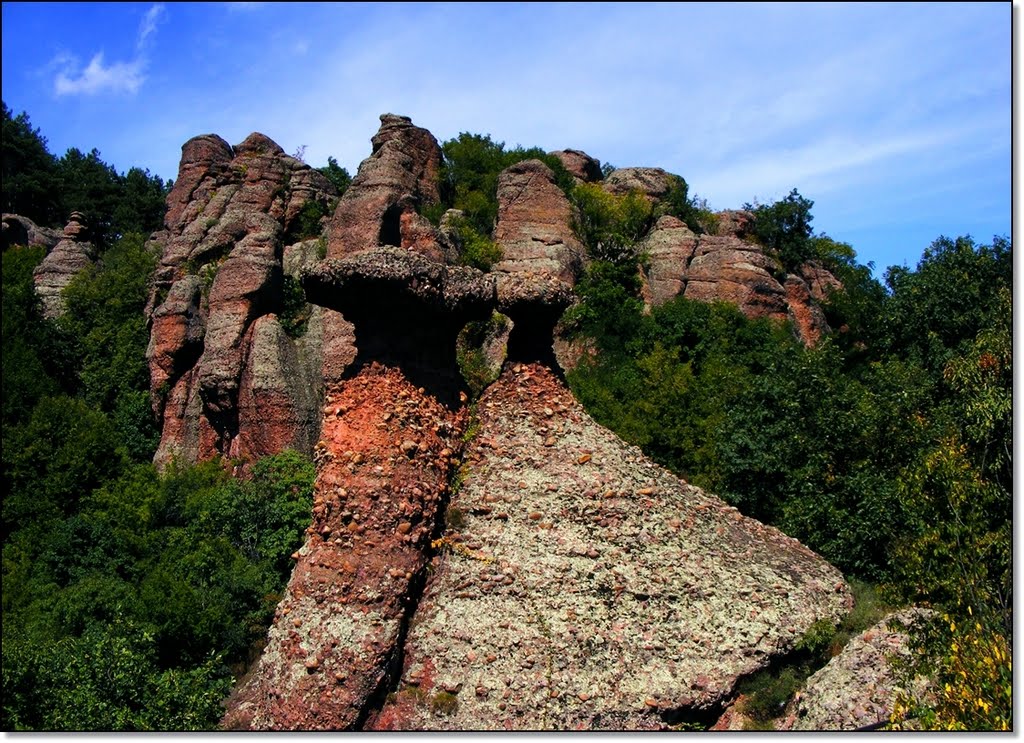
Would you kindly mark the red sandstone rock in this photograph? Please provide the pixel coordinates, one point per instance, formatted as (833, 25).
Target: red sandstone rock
(220, 269)
(730, 270)
(400, 174)
(669, 246)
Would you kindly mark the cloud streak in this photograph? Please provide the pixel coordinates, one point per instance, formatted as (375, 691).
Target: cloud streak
(117, 77)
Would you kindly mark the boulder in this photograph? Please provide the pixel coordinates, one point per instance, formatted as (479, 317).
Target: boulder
(858, 687)
(653, 183)
(19, 230)
(580, 165)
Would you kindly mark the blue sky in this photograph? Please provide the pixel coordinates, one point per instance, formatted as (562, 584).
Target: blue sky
(894, 118)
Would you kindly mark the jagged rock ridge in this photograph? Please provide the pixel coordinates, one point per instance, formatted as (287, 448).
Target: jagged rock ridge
(226, 380)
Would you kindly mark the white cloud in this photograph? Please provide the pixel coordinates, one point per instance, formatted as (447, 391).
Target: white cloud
(149, 22)
(119, 77)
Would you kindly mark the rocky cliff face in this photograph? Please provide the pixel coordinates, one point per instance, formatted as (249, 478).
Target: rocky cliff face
(523, 570)
(225, 377)
(727, 268)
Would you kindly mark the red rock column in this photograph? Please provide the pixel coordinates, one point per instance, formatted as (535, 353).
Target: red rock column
(383, 466)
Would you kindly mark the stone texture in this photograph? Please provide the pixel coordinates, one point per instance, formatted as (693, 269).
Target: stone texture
(379, 207)
(730, 270)
(19, 230)
(858, 687)
(653, 183)
(586, 588)
(382, 474)
(734, 223)
(580, 165)
(534, 224)
(230, 214)
(74, 253)
(669, 246)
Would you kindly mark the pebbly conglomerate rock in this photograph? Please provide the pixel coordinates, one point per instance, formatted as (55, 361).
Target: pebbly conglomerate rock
(382, 475)
(580, 586)
(858, 687)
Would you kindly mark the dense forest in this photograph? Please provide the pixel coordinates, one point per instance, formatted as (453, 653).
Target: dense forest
(132, 599)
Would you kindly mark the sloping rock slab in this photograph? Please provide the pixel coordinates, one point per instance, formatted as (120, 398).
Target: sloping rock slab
(858, 687)
(587, 588)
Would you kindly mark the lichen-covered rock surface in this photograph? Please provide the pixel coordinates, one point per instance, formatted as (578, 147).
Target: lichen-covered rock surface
(858, 687)
(580, 586)
(382, 475)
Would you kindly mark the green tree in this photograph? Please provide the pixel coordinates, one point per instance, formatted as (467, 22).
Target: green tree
(337, 175)
(784, 228)
(31, 181)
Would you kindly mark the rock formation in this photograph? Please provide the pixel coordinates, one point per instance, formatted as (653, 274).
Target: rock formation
(380, 207)
(562, 543)
(580, 165)
(19, 230)
(534, 226)
(225, 378)
(857, 688)
(580, 586)
(538, 573)
(727, 268)
(72, 254)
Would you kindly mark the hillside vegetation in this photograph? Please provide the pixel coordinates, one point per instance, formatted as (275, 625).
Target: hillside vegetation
(133, 599)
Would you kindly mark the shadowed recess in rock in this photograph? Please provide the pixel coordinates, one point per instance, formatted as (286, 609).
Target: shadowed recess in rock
(407, 311)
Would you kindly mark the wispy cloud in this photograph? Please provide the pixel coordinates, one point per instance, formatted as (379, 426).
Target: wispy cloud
(117, 77)
(149, 22)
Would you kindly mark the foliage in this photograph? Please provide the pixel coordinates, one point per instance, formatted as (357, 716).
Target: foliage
(469, 177)
(784, 228)
(47, 189)
(337, 175)
(608, 225)
(971, 665)
(309, 221)
(106, 680)
(30, 180)
(475, 249)
(471, 352)
(295, 310)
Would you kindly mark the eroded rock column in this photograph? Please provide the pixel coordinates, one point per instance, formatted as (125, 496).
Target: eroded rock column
(391, 435)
